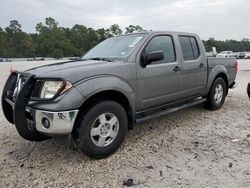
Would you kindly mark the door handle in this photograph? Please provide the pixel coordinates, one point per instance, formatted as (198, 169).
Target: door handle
(177, 69)
(201, 66)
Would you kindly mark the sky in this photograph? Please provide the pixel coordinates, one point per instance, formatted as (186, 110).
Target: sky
(221, 19)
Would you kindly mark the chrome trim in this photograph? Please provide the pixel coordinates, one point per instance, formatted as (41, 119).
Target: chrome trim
(17, 88)
(60, 122)
(11, 103)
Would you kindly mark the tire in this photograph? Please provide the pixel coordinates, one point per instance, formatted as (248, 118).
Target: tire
(101, 130)
(217, 94)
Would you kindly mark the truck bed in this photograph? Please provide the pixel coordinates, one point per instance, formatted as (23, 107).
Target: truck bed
(229, 63)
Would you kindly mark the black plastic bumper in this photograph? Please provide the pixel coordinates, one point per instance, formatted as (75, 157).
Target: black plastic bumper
(7, 97)
(233, 85)
(14, 102)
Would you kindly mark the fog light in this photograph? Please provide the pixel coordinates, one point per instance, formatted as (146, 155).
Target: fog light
(45, 123)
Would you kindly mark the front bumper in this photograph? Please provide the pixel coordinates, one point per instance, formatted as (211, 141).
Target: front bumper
(59, 122)
(17, 111)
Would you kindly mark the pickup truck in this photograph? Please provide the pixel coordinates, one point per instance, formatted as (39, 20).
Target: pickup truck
(122, 81)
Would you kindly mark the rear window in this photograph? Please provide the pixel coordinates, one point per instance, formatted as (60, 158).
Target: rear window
(189, 47)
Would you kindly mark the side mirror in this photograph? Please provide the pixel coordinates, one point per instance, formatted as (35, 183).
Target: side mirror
(248, 89)
(152, 57)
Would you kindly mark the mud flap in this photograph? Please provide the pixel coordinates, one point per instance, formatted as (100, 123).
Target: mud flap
(248, 89)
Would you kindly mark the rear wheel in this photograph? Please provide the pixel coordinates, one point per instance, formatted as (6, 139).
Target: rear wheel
(101, 130)
(217, 94)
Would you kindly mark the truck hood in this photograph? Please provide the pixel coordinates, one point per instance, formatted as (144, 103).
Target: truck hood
(74, 71)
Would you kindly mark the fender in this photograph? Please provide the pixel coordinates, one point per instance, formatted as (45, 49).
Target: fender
(213, 73)
(96, 84)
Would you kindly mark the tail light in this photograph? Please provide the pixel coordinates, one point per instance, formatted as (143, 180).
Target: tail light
(236, 68)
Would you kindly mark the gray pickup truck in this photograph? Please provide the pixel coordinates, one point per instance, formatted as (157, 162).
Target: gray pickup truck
(122, 81)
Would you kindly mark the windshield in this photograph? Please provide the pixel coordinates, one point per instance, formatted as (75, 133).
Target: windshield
(116, 47)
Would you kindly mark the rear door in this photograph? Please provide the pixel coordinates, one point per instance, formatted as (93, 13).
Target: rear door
(159, 82)
(194, 70)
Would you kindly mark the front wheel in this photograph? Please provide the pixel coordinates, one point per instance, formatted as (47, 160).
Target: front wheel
(217, 94)
(101, 130)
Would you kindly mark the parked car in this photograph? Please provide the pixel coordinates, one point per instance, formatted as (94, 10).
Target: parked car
(1, 59)
(224, 54)
(247, 55)
(235, 55)
(75, 58)
(122, 81)
(31, 59)
(39, 58)
(242, 55)
(209, 54)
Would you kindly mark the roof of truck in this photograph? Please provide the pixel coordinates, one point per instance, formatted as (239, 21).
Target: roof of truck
(162, 32)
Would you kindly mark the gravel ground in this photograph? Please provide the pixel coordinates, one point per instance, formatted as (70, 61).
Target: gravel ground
(191, 148)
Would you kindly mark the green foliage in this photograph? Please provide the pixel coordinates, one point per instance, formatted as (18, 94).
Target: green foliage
(14, 27)
(28, 47)
(115, 30)
(51, 40)
(236, 46)
(132, 29)
(57, 53)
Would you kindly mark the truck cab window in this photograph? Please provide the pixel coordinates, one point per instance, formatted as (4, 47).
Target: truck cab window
(162, 43)
(189, 48)
(195, 47)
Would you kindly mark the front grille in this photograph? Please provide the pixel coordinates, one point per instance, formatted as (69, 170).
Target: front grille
(37, 89)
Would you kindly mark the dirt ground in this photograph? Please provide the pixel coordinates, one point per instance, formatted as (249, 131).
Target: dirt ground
(191, 148)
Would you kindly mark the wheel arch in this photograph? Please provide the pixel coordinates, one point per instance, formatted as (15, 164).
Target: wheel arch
(225, 78)
(105, 95)
(216, 72)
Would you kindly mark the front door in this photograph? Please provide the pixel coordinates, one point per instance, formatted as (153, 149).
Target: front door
(159, 82)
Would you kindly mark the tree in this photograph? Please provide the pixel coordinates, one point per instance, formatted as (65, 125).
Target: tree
(57, 53)
(115, 30)
(245, 40)
(2, 43)
(14, 27)
(102, 34)
(132, 29)
(13, 38)
(28, 47)
(51, 23)
(80, 39)
(51, 40)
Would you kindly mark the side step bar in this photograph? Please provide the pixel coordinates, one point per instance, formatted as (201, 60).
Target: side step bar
(144, 116)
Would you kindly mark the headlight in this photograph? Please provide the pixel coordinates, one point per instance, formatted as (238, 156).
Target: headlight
(51, 88)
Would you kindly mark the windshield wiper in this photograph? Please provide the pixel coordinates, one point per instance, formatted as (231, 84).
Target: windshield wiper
(99, 59)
